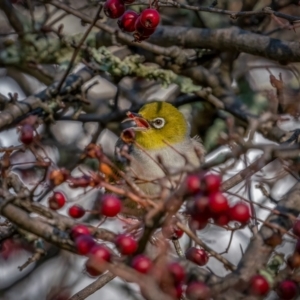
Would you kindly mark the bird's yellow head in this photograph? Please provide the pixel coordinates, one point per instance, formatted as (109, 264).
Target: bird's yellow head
(157, 124)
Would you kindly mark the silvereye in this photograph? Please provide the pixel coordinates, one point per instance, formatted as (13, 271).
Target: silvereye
(162, 146)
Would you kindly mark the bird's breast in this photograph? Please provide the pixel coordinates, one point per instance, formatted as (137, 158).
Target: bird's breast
(150, 167)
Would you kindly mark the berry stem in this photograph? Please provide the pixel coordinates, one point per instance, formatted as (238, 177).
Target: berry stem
(216, 255)
(178, 248)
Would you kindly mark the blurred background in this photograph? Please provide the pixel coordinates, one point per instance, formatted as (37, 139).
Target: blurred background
(60, 274)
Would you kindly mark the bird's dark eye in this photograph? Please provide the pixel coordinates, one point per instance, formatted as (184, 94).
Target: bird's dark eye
(158, 122)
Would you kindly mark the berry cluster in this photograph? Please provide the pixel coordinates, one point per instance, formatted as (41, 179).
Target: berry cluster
(110, 205)
(58, 200)
(99, 254)
(208, 202)
(86, 245)
(170, 276)
(286, 289)
(142, 25)
(197, 256)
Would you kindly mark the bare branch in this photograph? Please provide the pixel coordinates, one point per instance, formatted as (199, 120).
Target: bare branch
(93, 287)
(12, 16)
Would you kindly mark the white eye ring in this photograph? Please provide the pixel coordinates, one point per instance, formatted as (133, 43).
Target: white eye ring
(158, 123)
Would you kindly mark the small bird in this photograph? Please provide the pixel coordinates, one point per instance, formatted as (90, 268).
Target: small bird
(162, 146)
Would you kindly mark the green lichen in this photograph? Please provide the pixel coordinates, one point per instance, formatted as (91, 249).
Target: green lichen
(45, 50)
(272, 269)
(133, 66)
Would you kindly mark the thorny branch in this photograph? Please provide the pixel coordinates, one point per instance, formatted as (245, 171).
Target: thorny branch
(208, 75)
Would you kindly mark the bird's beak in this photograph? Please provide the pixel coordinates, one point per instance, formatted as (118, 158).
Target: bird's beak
(140, 122)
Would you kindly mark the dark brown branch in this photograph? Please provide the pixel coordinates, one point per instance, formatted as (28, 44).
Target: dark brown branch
(36, 226)
(63, 222)
(93, 287)
(217, 256)
(268, 238)
(229, 39)
(125, 38)
(257, 165)
(52, 231)
(149, 287)
(14, 112)
(12, 16)
(233, 14)
(78, 48)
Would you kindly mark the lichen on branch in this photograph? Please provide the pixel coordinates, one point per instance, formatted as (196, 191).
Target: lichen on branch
(134, 65)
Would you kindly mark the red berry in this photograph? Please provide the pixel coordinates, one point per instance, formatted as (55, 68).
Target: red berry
(200, 213)
(141, 30)
(197, 256)
(127, 21)
(26, 134)
(193, 184)
(110, 205)
(114, 9)
(172, 232)
(221, 219)
(10, 247)
(150, 18)
(218, 203)
(97, 255)
(293, 260)
(100, 253)
(198, 224)
(57, 200)
(240, 212)
(142, 264)
(76, 211)
(79, 230)
(126, 244)
(198, 291)
(287, 290)
(92, 270)
(259, 285)
(201, 206)
(296, 228)
(212, 183)
(84, 244)
(179, 291)
(174, 291)
(177, 272)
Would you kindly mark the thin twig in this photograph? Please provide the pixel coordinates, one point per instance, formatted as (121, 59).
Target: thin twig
(78, 48)
(12, 16)
(219, 257)
(93, 287)
(178, 248)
